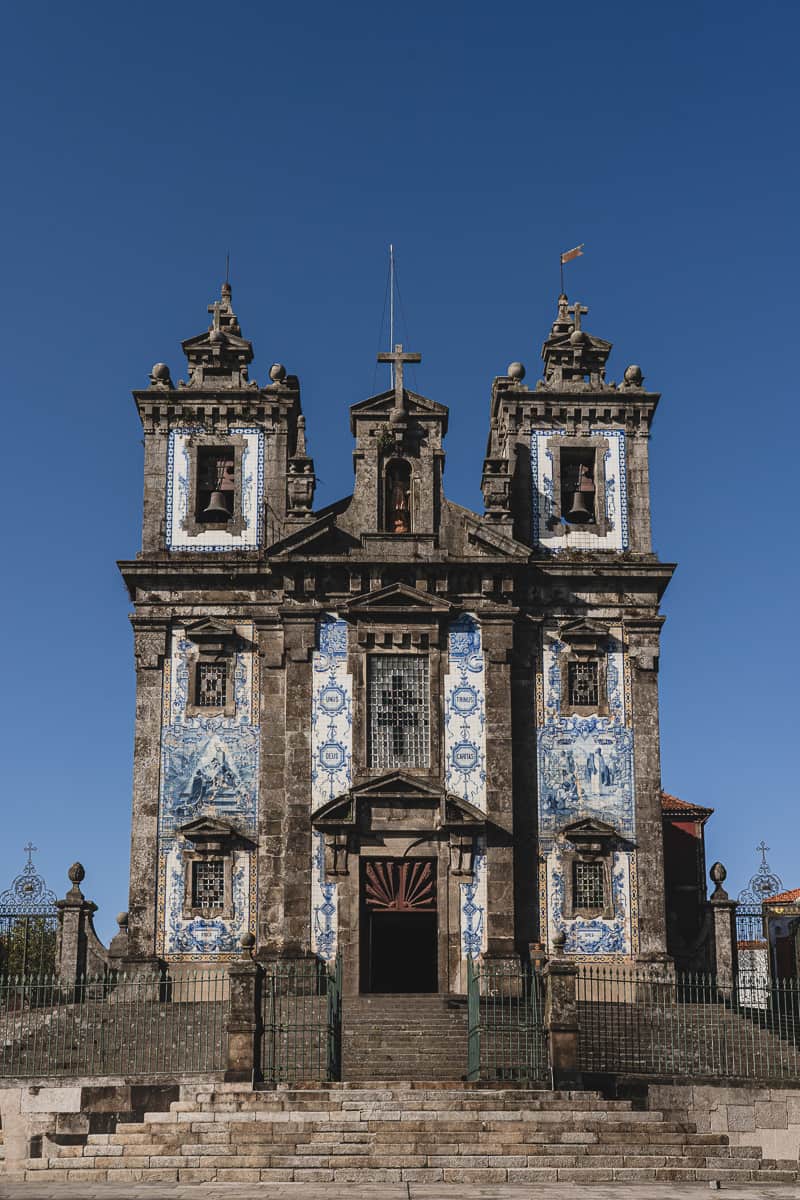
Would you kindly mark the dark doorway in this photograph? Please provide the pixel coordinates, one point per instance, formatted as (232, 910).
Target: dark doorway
(398, 925)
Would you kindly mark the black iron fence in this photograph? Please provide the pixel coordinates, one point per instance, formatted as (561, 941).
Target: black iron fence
(113, 1025)
(301, 1026)
(691, 1025)
(506, 1040)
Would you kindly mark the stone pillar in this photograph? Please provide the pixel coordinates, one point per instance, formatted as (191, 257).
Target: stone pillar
(561, 1017)
(79, 951)
(497, 632)
(150, 647)
(723, 925)
(642, 637)
(243, 1026)
(294, 935)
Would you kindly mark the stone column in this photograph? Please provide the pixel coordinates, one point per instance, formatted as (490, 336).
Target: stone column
(497, 631)
(79, 951)
(243, 1027)
(723, 925)
(150, 648)
(561, 1017)
(642, 637)
(271, 799)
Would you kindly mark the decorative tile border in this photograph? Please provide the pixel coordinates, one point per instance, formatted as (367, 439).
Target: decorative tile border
(465, 713)
(592, 939)
(616, 494)
(473, 907)
(199, 939)
(177, 496)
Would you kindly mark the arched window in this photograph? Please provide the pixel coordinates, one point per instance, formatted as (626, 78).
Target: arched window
(397, 505)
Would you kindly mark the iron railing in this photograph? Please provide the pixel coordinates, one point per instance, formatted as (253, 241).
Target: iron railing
(690, 1025)
(113, 1025)
(505, 1039)
(301, 1018)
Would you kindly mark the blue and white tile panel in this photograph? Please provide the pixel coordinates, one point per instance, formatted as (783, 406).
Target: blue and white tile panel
(473, 907)
(177, 499)
(331, 764)
(593, 938)
(573, 537)
(465, 713)
(209, 768)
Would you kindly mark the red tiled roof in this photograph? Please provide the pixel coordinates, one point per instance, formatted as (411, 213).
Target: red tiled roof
(672, 804)
(784, 897)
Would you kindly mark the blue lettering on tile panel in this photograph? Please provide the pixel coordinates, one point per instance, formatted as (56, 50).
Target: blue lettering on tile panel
(209, 768)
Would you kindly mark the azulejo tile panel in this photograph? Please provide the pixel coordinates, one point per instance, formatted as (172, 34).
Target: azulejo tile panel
(585, 767)
(331, 763)
(209, 768)
(473, 906)
(573, 537)
(595, 938)
(178, 499)
(465, 713)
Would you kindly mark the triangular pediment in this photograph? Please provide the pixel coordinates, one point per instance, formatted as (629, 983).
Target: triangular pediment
(320, 536)
(583, 630)
(229, 341)
(397, 597)
(396, 783)
(207, 828)
(589, 825)
(383, 403)
(460, 812)
(210, 629)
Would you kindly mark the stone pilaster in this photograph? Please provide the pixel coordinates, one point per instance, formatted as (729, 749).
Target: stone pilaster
(723, 925)
(243, 1026)
(561, 1017)
(300, 632)
(150, 649)
(642, 638)
(80, 953)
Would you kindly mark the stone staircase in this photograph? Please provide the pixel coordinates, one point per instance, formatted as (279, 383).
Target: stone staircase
(399, 1133)
(404, 1037)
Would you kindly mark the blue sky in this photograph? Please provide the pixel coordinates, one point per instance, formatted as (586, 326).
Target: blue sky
(142, 142)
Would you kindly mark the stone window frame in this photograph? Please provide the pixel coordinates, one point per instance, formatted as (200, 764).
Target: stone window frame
(209, 852)
(593, 853)
(235, 525)
(600, 446)
(217, 651)
(571, 654)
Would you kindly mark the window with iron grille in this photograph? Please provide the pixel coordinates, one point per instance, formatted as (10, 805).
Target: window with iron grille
(398, 706)
(588, 889)
(583, 687)
(212, 685)
(208, 883)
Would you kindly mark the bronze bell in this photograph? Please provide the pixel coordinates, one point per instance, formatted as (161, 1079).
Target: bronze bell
(217, 509)
(579, 514)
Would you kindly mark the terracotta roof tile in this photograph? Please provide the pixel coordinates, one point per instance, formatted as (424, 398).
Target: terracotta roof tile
(783, 897)
(670, 804)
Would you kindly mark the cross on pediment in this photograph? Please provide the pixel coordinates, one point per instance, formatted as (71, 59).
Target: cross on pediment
(575, 311)
(398, 357)
(216, 309)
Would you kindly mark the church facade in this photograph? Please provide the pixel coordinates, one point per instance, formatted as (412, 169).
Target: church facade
(395, 728)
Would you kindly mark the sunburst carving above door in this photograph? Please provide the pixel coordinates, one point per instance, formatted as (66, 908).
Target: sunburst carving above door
(393, 885)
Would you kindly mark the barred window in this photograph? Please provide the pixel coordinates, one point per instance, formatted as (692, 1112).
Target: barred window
(208, 883)
(212, 685)
(398, 706)
(583, 688)
(588, 890)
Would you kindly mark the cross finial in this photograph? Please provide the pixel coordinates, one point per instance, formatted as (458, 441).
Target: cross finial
(216, 309)
(397, 358)
(575, 311)
(29, 849)
(763, 847)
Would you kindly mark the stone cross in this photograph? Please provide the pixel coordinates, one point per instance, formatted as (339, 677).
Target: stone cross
(216, 309)
(398, 357)
(575, 311)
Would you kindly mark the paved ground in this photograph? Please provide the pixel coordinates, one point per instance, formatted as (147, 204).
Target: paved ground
(392, 1191)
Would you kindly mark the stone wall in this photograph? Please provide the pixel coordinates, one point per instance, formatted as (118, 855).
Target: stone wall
(764, 1116)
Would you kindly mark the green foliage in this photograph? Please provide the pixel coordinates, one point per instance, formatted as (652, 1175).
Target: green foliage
(28, 945)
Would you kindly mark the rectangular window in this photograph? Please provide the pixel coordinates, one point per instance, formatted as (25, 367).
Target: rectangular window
(212, 685)
(588, 890)
(398, 706)
(583, 684)
(216, 484)
(208, 883)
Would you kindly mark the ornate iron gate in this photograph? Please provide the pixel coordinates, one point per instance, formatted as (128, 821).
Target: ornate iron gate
(505, 1008)
(28, 925)
(301, 1009)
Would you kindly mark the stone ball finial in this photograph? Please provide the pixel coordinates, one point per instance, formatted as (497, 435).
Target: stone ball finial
(277, 372)
(718, 873)
(633, 376)
(516, 371)
(160, 373)
(122, 920)
(76, 873)
(247, 942)
(558, 942)
(226, 288)
(216, 336)
(578, 337)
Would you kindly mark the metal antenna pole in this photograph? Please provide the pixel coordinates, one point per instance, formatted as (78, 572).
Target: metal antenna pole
(391, 309)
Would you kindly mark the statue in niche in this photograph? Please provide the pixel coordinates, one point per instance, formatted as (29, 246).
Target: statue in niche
(398, 497)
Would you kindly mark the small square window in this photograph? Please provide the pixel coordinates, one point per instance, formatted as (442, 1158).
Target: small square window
(588, 885)
(583, 683)
(216, 484)
(208, 883)
(212, 685)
